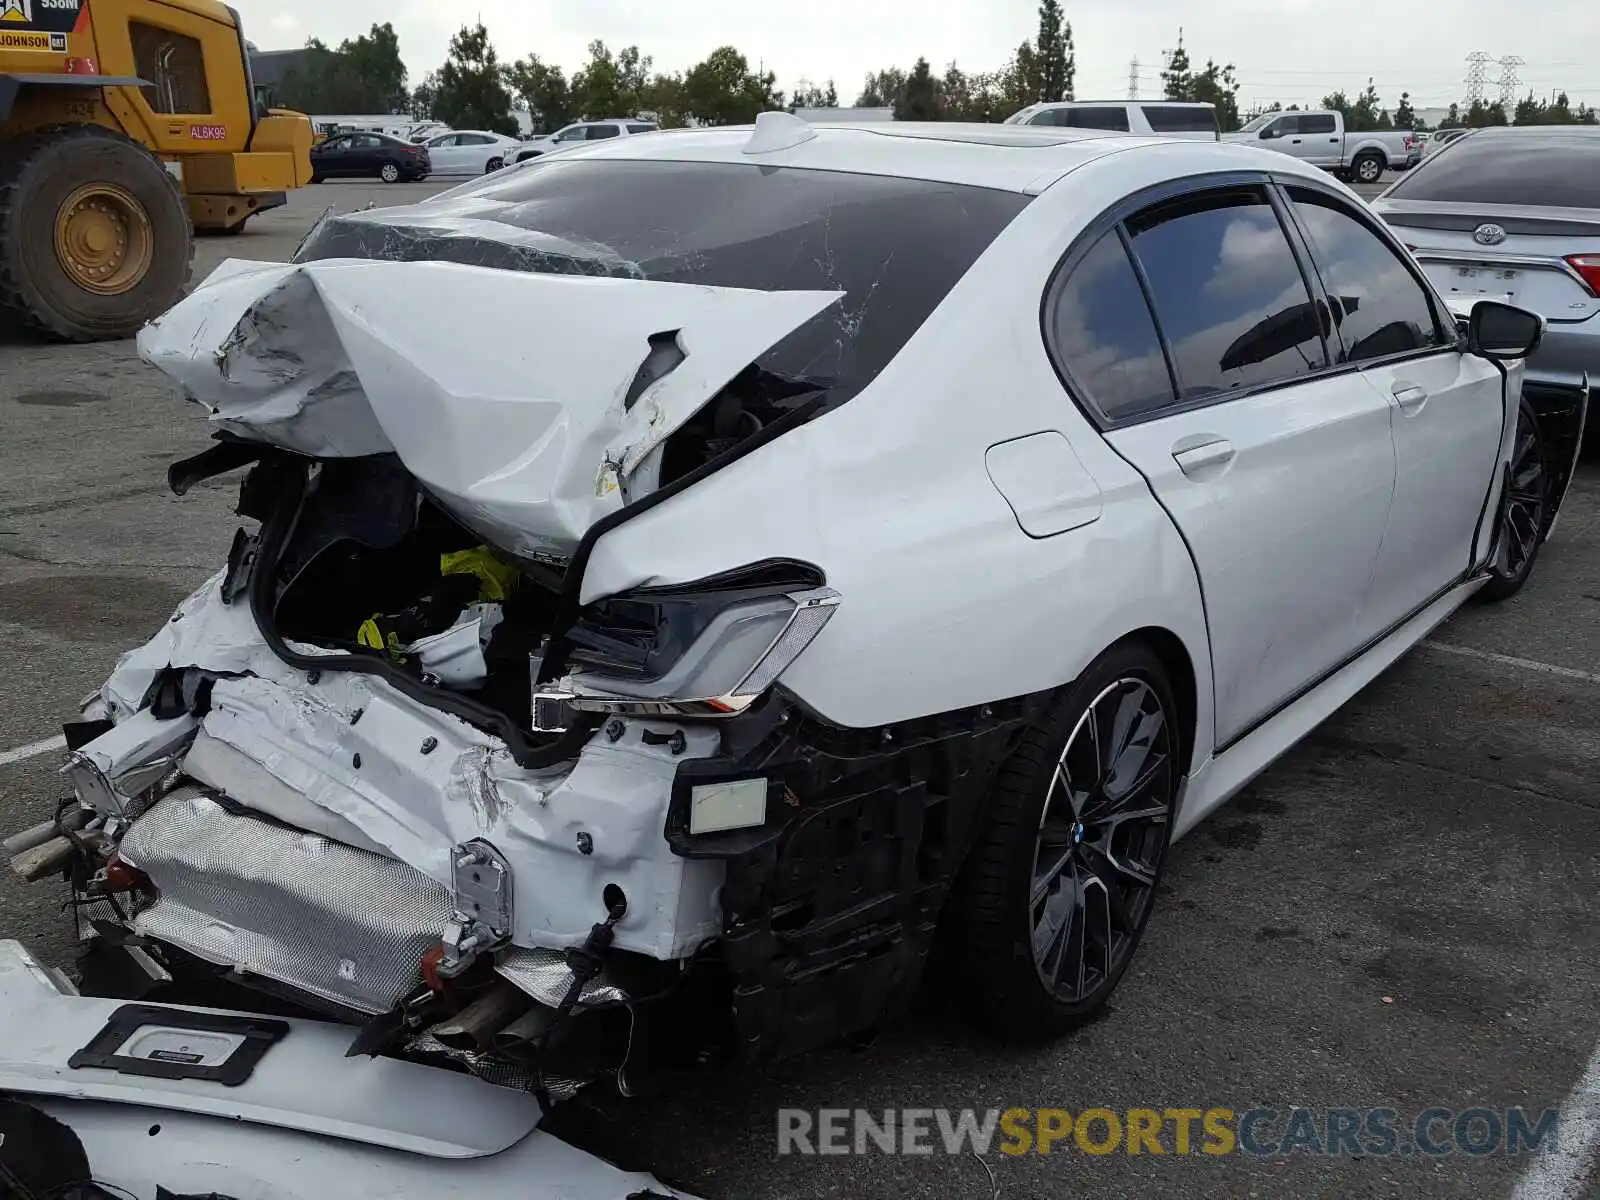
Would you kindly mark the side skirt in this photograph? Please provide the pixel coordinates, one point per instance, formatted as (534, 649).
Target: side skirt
(1222, 777)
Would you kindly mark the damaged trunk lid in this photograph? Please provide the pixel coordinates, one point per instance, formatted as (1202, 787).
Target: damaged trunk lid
(528, 405)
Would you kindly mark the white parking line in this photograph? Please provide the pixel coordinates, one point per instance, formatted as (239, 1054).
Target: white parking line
(1559, 1172)
(20, 753)
(1506, 660)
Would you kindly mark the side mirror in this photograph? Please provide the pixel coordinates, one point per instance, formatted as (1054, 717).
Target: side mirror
(1503, 331)
(1268, 133)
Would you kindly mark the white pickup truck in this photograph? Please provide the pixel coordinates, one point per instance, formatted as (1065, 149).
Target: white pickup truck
(1319, 137)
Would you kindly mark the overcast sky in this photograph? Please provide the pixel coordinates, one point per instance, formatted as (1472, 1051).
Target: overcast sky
(1287, 50)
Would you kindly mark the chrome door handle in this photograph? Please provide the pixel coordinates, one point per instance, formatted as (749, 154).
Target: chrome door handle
(1410, 397)
(1194, 460)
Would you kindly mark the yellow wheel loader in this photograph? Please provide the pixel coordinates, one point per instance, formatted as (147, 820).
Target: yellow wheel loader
(126, 126)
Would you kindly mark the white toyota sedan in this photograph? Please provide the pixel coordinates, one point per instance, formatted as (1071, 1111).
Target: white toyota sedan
(470, 151)
(847, 537)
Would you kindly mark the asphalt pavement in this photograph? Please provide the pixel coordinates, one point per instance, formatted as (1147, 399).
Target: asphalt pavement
(1402, 913)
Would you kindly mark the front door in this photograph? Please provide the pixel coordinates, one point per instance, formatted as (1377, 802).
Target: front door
(1277, 470)
(333, 160)
(1449, 409)
(445, 154)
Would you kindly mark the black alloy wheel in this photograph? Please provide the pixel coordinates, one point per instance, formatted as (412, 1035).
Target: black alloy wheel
(1102, 835)
(1057, 892)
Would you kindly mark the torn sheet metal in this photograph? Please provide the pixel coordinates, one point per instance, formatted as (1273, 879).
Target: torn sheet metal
(506, 393)
(354, 760)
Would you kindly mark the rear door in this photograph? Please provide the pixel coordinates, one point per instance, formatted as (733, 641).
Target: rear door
(1319, 141)
(475, 150)
(1192, 122)
(367, 153)
(1277, 469)
(1110, 117)
(1449, 408)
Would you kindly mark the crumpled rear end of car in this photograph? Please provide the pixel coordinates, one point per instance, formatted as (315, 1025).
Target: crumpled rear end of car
(393, 766)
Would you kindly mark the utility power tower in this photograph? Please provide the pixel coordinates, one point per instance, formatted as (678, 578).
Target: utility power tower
(1133, 79)
(1477, 74)
(1510, 84)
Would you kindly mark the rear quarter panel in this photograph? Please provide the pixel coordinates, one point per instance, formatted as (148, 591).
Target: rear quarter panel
(947, 603)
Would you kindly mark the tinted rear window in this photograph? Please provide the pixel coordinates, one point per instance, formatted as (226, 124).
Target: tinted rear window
(1553, 170)
(1112, 118)
(1164, 119)
(894, 246)
(641, 128)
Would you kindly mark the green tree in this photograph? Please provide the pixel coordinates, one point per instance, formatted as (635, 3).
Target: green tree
(809, 95)
(882, 88)
(633, 78)
(1405, 117)
(597, 88)
(1453, 119)
(662, 101)
(1481, 115)
(364, 75)
(1217, 86)
(723, 90)
(966, 97)
(374, 59)
(1530, 111)
(424, 97)
(1177, 78)
(1054, 61)
(919, 99)
(471, 94)
(543, 88)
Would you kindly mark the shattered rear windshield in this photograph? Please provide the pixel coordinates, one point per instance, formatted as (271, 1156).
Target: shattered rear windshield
(894, 246)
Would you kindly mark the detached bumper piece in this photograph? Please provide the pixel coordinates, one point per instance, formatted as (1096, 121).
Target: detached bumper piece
(94, 1090)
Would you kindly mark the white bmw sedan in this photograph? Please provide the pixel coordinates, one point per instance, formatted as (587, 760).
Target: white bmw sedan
(844, 537)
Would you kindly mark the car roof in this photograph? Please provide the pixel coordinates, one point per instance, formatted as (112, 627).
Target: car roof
(1121, 104)
(1017, 158)
(1535, 132)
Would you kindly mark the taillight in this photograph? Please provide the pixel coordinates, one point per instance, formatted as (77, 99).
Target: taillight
(1588, 266)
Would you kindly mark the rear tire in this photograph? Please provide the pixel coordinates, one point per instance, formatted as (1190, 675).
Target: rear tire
(95, 237)
(389, 173)
(1055, 895)
(1367, 168)
(1526, 516)
(494, 165)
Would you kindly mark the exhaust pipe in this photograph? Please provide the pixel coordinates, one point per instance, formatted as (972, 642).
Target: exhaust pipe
(45, 831)
(474, 1026)
(52, 856)
(529, 1027)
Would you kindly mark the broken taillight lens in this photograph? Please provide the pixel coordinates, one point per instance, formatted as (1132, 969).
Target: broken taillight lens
(1588, 267)
(708, 649)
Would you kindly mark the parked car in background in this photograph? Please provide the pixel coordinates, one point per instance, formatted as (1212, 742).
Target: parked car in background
(470, 151)
(1318, 136)
(1513, 214)
(1165, 118)
(1442, 138)
(580, 132)
(369, 156)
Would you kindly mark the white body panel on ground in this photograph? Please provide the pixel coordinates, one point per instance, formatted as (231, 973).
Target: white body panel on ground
(308, 1124)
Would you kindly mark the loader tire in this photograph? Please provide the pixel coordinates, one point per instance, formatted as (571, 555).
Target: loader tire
(95, 238)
